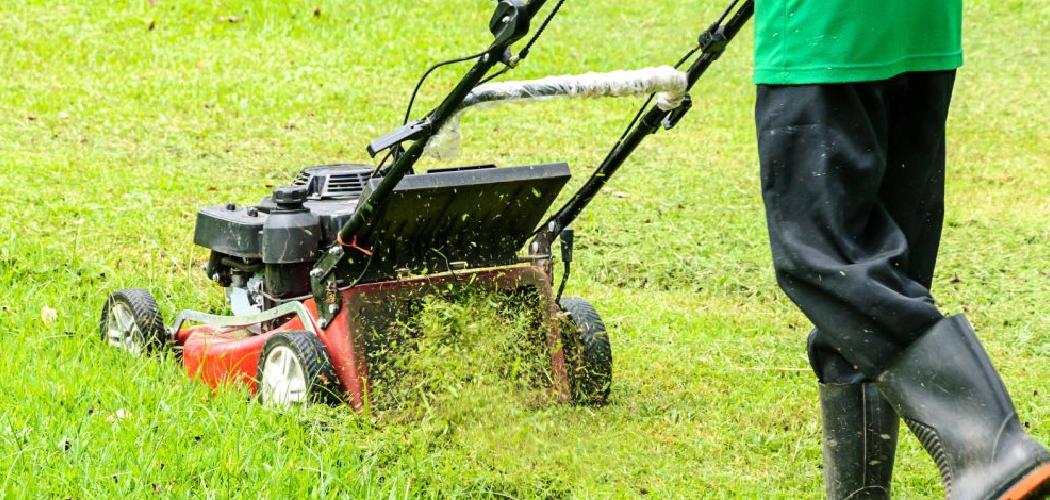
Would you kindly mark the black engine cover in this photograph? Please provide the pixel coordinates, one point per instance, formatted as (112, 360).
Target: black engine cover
(433, 222)
(238, 231)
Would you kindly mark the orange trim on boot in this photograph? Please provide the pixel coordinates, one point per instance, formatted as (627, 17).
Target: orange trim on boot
(1034, 486)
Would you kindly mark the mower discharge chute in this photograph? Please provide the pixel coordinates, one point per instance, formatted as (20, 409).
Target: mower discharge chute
(320, 270)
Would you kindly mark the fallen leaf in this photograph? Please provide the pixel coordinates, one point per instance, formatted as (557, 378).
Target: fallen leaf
(152, 24)
(317, 11)
(30, 117)
(48, 315)
(955, 279)
(120, 414)
(230, 19)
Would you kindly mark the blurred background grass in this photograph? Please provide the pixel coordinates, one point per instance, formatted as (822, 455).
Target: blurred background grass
(119, 119)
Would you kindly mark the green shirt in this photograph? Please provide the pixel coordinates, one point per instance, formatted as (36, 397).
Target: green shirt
(839, 41)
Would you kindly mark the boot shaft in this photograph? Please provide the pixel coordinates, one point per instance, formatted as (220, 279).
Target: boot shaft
(860, 439)
(947, 391)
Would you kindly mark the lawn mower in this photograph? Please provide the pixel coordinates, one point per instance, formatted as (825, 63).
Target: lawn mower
(317, 273)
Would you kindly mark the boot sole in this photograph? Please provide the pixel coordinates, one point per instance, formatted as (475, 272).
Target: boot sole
(1034, 486)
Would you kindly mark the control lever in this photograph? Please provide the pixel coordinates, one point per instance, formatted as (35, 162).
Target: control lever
(678, 113)
(408, 132)
(567, 236)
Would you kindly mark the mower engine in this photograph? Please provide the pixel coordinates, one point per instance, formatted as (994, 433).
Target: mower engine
(262, 254)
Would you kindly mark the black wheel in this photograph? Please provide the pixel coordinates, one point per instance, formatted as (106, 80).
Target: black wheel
(131, 321)
(588, 353)
(295, 369)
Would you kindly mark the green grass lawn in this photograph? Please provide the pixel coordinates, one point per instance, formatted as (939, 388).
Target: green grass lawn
(118, 119)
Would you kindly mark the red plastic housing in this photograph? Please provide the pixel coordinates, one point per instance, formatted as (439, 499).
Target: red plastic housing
(221, 355)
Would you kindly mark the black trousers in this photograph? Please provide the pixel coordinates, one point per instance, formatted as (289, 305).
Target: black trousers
(853, 184)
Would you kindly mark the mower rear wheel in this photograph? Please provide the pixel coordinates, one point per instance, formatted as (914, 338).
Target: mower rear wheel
(131, 321)
(295, 369)
(588, 353)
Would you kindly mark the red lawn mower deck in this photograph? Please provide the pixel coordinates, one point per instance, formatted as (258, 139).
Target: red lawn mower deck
(448, 229)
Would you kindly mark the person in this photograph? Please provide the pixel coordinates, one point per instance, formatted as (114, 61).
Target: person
(851, 103)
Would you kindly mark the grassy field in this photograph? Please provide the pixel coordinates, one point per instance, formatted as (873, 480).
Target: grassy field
(119, 118)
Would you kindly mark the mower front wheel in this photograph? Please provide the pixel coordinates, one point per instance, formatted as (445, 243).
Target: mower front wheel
(295, 369)
(588, 353)
(131, 321)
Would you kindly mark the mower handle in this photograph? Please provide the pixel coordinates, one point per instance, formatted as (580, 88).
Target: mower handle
(712, 44)
(667, 83)
(509, 23)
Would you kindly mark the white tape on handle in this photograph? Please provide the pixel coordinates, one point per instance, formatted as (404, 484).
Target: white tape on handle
(667, 83)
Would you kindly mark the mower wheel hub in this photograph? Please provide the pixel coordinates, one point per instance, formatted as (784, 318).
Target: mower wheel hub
(283, 382)
(121, 330)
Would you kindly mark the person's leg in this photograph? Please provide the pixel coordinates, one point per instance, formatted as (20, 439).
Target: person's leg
(859, 426)
(973, 463)
(809, 138)
(837, 251)
(840, 232)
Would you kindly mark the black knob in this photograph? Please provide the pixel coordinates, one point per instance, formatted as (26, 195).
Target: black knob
(290, 196)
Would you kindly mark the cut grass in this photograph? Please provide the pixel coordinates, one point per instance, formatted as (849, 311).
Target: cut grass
(114, 134)
(465, 354)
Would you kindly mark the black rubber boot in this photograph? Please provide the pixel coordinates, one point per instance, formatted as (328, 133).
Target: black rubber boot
(860, 438)
(945, 388)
